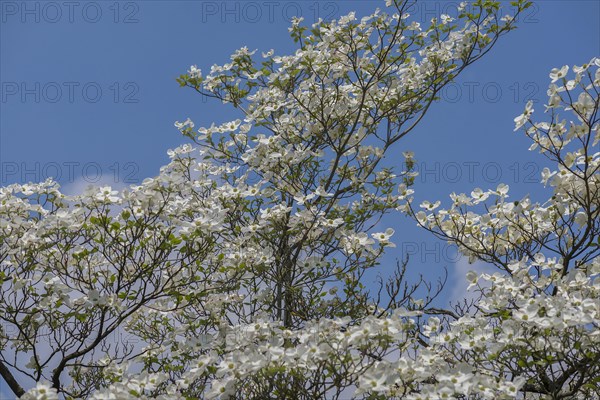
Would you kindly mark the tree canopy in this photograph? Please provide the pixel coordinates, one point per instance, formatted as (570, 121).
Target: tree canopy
(238, 271)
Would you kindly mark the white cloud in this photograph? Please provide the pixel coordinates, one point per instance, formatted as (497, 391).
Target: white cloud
(459, 281)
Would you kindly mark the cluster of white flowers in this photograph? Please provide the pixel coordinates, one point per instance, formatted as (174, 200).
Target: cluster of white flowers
(541, 311)
(42, 391)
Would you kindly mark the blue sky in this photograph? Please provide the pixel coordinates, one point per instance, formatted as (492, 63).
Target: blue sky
(89, 95)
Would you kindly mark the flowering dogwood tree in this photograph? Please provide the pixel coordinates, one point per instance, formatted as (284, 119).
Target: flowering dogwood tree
(238, 271)
(537, 323)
